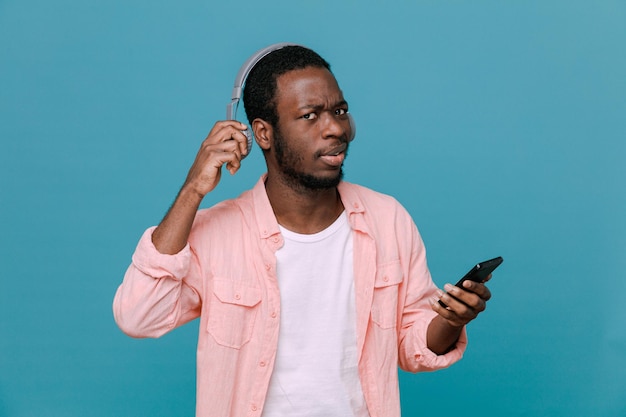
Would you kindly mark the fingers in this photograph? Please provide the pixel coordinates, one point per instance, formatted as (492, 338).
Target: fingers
(463, 304)
(225, 144)
(226, 153)
(463, 299)
(229, 130)
(478, 288)
(227, 137)
(454, 318)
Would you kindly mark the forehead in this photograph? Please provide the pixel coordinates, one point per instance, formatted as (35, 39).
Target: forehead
(307, 86)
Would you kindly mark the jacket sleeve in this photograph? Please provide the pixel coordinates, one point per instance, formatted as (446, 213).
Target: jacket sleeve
(416, 313)
(155, 295)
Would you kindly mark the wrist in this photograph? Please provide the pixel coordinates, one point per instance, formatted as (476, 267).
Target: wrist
(442, 335)
(190, 195)
(449, 324)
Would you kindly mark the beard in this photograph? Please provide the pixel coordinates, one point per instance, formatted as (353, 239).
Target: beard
(289, 162)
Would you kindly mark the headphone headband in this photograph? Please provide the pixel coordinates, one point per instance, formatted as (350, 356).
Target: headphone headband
(231, 108)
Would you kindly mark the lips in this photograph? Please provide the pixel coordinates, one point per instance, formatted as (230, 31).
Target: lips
(334, 156)
(336, 150)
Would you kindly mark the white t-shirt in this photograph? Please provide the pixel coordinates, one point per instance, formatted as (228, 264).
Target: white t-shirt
(315, 373)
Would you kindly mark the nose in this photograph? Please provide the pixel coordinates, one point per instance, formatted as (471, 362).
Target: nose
(334, 127)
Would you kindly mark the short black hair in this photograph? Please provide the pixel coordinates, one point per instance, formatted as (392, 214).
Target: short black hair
(260, 87)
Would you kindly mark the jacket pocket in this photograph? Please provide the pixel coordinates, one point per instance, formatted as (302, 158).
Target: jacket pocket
(232, 313)
(385, 300)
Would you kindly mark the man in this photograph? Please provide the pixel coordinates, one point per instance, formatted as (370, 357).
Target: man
(310, 290)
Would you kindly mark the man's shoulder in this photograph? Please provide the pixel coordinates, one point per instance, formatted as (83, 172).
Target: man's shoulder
(379, 215)
(366, 195)
(232, 209)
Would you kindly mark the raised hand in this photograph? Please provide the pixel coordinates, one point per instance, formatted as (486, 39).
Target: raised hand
(225, 144)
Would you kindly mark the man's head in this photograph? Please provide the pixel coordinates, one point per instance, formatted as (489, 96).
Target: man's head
(299, 117)
(259, 98)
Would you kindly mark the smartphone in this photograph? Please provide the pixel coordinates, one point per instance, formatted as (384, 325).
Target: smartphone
(478, 273)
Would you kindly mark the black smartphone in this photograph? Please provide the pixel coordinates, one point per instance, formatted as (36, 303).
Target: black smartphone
(478, 273)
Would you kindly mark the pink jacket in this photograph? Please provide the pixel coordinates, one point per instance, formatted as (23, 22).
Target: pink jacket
(226, 276)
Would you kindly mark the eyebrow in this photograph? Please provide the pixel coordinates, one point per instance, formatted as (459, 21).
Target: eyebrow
(321, 106)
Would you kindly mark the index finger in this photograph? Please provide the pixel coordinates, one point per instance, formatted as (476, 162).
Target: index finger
(220, 124)
(225, 130)
(244, 138)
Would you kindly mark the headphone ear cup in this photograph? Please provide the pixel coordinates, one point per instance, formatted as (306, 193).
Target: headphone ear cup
(250, 136)
(352, 128)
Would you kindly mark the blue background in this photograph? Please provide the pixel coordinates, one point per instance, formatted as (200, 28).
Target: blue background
(501, 127)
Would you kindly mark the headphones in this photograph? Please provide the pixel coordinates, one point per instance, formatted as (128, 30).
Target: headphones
(242, 75)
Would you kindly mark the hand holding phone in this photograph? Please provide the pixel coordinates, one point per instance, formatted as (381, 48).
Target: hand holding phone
(478, 273)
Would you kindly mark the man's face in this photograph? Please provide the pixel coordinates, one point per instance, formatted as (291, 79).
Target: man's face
(311, 137)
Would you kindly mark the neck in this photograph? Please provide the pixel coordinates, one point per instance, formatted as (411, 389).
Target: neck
(303, 210)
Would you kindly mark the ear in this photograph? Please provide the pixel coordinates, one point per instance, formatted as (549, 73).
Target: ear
(263, 133)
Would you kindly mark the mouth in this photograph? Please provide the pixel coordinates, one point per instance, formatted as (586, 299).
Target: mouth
(336, 150)
(334, 156)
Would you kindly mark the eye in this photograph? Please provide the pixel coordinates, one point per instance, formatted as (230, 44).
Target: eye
(341, 112)
(309, 116)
